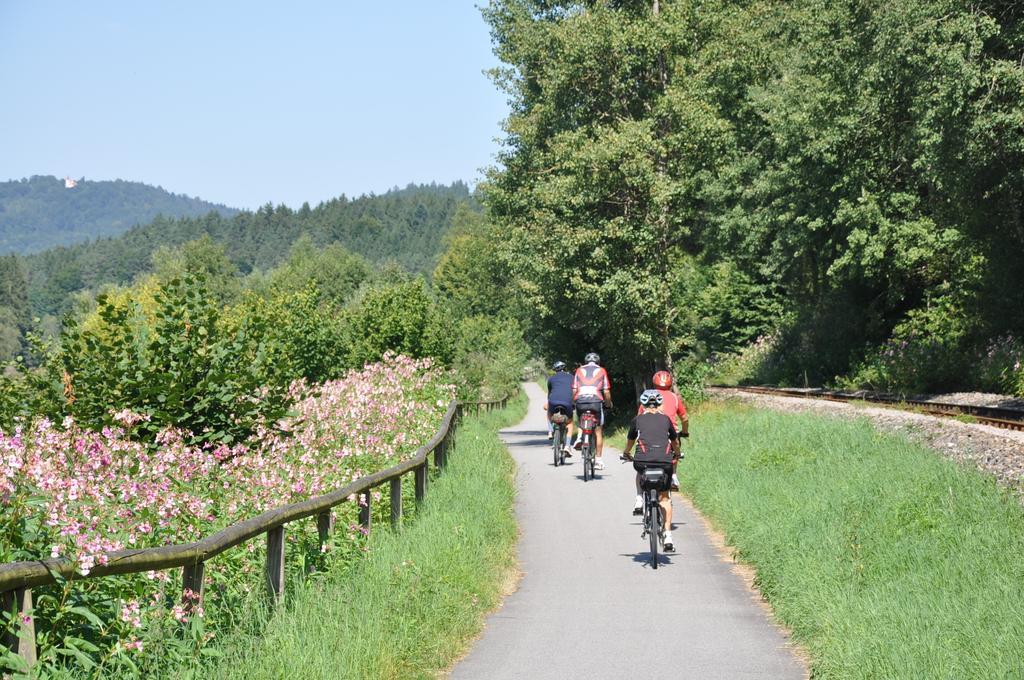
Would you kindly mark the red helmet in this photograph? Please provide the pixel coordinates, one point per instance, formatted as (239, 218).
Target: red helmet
(663, 380)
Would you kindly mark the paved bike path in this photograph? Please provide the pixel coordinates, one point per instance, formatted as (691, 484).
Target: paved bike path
(589, 604)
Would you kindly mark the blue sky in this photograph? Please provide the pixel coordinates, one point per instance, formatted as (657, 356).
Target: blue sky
(246, 103)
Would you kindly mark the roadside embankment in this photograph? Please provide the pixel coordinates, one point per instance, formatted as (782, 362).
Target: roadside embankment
(413, 605)
(885, 560)
(992, 450)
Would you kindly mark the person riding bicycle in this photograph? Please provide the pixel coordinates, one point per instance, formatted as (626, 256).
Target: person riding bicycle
(657, 442)
(560, 399)
(592, 391)
(674, 407)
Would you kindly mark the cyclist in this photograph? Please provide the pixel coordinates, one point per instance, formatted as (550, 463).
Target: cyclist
(560, 396)
(657, 445)
(674, 407)
(592, 391)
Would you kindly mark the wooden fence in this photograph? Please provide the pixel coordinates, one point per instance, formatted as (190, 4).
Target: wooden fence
(18, 578)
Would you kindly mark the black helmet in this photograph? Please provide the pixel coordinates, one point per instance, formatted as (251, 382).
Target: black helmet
(651, 398)
(558, 366)
(592, 358)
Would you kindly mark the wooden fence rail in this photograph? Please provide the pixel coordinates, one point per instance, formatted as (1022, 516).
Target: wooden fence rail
(18, 578)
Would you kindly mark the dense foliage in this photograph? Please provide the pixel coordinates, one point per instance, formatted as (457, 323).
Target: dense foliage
(71, 491)
(198, 396)
(404, 225)
(847, 175)
(40, 213)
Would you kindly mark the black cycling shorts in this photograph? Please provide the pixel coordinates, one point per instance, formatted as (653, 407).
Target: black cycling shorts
(591, 405)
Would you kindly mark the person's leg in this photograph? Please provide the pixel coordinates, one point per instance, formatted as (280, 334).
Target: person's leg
(665, 500)
(599, 437)
(666, 505)
(569, 429)
(638, 504)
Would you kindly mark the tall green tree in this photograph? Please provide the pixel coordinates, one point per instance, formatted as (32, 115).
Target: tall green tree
(853, 168)
(593, 217)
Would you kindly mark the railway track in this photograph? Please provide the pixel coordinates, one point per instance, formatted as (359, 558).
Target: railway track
(1008, 419)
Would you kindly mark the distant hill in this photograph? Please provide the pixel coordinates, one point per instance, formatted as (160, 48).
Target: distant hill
(40, 213)
(406, 226)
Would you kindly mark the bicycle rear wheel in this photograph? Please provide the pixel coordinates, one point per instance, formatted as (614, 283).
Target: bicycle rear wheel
(655, 533)
(587, 453)
(557, 445)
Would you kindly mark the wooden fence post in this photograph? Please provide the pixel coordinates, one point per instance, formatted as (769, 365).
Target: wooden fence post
(324, 525)
(192, 585)
(396, 503)
(22, 642)
(421, 483)
(439, 452)
(365, 514)
(275, 563)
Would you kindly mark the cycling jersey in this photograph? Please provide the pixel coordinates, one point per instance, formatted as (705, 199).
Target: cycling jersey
(590, 382)
(653, 433)
(560, 389)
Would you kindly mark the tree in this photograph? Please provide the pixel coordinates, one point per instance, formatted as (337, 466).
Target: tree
(594, 220)
(200, 258)
(399, 318)
(470, 276)
(335, 272)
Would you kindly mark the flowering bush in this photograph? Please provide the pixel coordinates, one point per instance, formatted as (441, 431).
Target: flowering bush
(1001, 366)
(928, 351)
(81, 494)
(746, 366)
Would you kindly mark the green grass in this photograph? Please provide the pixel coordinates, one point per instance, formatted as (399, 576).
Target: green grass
(886, 560)
(413, 605)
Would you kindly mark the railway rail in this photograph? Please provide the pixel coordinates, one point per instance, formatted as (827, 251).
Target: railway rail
(1007, 419)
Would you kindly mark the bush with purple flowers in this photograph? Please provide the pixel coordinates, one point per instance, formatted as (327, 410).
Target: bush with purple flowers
(68, 491)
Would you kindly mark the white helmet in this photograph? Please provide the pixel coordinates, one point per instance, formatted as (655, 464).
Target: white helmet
(651, 398)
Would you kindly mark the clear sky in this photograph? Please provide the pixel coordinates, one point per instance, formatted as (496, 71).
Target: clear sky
(245, 103)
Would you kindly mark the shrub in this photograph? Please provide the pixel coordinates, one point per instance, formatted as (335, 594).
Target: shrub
(999, 366)
(489, 355)
(82, 494)
(184, 369)
(928, 351)
(399, 317)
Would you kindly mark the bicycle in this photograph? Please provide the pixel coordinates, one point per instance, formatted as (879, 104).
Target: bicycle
(559, 419)
(588, 422)
(653, 480)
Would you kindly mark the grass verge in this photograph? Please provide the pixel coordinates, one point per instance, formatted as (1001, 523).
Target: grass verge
(413, 605)
(884, 559)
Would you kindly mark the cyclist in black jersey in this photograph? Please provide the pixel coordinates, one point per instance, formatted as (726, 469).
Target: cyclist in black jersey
(657, 444)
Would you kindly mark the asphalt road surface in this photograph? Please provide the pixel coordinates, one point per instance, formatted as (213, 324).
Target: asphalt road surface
(589, 604)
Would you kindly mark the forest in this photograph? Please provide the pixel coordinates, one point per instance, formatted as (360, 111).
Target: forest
(803, 192)
(403, 229)
(39, 212)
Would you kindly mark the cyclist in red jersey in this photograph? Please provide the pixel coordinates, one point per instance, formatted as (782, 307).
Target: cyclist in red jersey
(592, 390)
